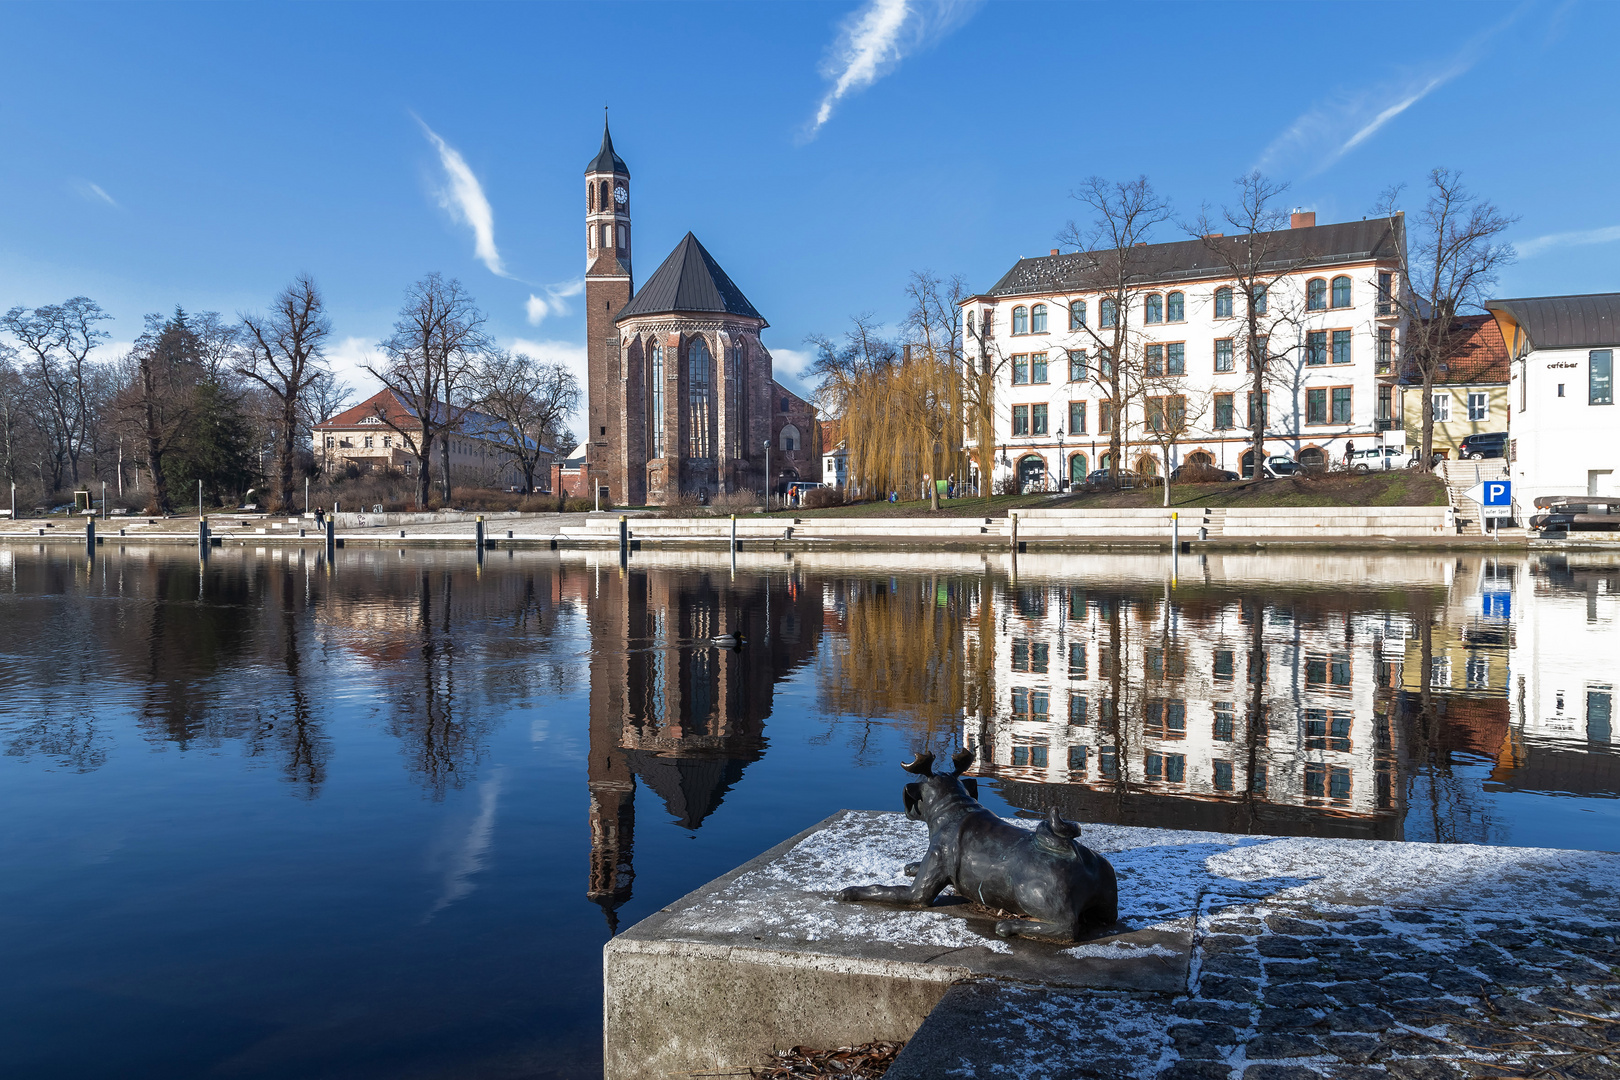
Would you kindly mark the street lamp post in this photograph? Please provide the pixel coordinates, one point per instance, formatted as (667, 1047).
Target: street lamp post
(1063, 468)
(767, 474)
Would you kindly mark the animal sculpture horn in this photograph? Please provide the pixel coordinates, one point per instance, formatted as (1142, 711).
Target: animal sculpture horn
(923, 765)
(961, 760)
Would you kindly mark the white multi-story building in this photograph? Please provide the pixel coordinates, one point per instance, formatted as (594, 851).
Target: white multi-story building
(1333, 335)
(1565, 429)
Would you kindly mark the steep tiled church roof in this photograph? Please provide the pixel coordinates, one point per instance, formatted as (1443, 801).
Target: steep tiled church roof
(689, 281)
(606, 160)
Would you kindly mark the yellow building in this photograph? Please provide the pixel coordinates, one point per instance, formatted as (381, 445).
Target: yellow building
(1470, 389)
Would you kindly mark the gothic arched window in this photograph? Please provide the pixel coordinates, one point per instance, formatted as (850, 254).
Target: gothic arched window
(602, 196)
(789, 438)
(1037, 319)
(1020, 320)
(655, 400)
(699, 370)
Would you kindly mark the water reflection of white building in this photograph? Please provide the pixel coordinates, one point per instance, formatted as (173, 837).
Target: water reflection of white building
(1183, 695)
(1566, 647)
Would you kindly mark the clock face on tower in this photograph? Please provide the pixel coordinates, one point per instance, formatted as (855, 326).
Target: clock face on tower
(620, 195)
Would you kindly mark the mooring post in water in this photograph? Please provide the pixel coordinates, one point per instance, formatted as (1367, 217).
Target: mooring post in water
(90, 537)
(1013, 516)
(733, 536)
(331, 535)
(1175, 545)
(478, 533)
(624, 535)
(202, 537)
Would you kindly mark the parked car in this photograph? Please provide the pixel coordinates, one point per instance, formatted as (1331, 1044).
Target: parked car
(1206, 474)
(1278, 466)
(1102, 480)
(1377, 458)
(1484, 444)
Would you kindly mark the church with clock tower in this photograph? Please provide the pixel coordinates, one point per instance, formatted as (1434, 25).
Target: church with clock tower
(680, 393)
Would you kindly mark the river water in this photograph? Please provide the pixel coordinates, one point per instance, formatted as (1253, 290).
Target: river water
(271, 817)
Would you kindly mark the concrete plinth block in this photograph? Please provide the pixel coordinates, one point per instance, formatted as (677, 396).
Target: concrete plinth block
(766, 958)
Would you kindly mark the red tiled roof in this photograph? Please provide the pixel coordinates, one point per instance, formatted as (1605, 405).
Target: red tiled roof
(384, 400)
(1479, 357)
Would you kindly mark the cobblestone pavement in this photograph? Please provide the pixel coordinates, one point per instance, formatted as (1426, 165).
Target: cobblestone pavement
(1293, 992)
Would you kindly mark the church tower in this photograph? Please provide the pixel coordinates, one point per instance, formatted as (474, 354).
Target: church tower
(608, 287)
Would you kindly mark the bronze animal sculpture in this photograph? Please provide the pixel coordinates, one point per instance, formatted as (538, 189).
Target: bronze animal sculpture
(1048, 875)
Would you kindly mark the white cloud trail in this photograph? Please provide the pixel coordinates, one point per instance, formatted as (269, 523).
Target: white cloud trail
(555, 302)
(1531, 248)
(463, 197)
(94, 193)
(876, 37)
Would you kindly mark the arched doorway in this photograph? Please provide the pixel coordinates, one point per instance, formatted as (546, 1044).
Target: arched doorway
(1201, 458)
(1248, 464)
(1077, 469)
(1031, 473)
(1147, 465)
(1313, 459)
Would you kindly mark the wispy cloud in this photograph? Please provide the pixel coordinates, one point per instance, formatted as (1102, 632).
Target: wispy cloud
(567, 353)
(555, 302)
(1530, 248)
(876, 37)
(1332, 128)
(93, 192)
(463, 197)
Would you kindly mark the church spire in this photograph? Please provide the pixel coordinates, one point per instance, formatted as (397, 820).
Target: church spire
(606, 161)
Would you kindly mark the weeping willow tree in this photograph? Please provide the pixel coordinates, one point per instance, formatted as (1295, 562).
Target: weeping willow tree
(899, 407)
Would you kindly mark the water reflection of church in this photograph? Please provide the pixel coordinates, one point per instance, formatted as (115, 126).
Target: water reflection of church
(671, 712)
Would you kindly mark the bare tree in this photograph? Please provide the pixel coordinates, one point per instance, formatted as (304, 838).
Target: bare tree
(1252, 241)
(530, 399)
(432, 355)
(1452, 263)
(1171, 409)
(284, 356)
(58, 340)
(984, 361)
(856, 383)
(1116, 261)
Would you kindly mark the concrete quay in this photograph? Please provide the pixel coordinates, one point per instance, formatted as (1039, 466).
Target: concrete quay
(1237, 957)
(1197, 529)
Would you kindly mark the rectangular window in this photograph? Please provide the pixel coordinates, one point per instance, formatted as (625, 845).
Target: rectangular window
(1077, 660)
(1386, 293)
(1077, 418)
(1257, 410)
(1599, 712)
(1316, 406)
(1020, 654)
(1223, 665)
(1020, 756)
(1105, 417)
(1153, 766)
(1175, 768)
(1257, 780)
(1225, 721)
(1039, 704)
(1223, 355)
(1037, 756)
(1315, 780)
(1223, 412)
(1020, 417)
(1037, 367)
(1600, 387)
(1020, 369)
(1442, 407)
(1386, 350)
(1077, 365)
(368, 441)
(1341, 346)
(1477, 408)
(1040, 655)
(1155, 359)
(1020, 702)
(1077, 607)
(1223, 776)
(1037, 419)
(1155, 414)
(1077, 709)
(1341, 404)
(1077, 760)
(1316, 347)
(1108, 762)
(1386, 401)
(1340, 669)
(1175, 358)
(1258, 350)
(1339, 784)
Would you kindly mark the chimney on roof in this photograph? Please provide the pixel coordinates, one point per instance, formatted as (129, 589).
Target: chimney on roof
(1141, 243)
(1213, 235)
(1054, 251)
(1302, 219)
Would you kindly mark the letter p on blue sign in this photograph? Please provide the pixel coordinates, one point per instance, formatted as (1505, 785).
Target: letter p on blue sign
(1498, 493)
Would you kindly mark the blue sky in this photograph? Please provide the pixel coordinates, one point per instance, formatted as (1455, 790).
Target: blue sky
(203, 154)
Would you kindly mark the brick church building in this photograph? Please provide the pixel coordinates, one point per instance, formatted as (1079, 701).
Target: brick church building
(681, 397)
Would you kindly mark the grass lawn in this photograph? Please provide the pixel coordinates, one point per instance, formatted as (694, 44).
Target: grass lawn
(1397, 488)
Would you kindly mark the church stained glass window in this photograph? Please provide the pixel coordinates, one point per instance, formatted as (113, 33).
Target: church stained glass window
(655, 401)
(699, 371)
